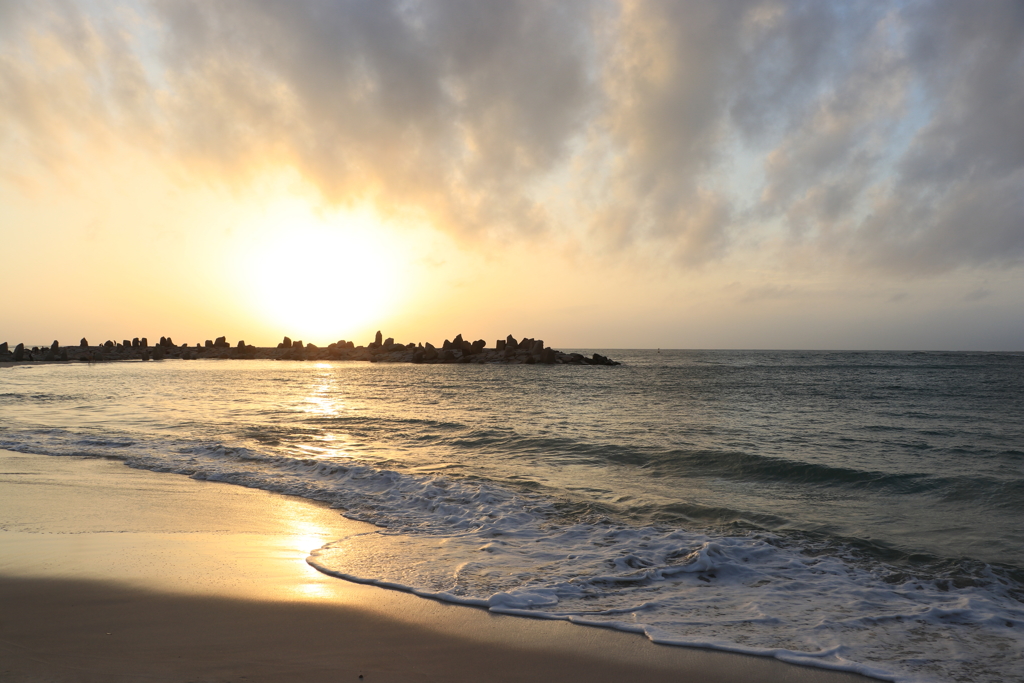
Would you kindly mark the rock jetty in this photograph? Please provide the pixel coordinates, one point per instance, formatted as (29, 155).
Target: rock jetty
(526, 351)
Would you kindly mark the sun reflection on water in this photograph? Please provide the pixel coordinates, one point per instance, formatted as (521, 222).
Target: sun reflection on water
(324, 397)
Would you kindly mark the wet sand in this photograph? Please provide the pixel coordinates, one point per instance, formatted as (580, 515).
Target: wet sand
(109, 573)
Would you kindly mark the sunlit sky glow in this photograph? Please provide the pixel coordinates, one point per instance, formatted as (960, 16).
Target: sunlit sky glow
(682, 174)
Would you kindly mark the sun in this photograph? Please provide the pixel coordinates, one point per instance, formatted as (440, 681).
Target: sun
(317, 280)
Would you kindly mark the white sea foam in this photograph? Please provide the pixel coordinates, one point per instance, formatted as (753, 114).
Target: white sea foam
(754, 593)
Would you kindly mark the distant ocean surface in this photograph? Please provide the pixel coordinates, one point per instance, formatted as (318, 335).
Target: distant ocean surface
(859, 511)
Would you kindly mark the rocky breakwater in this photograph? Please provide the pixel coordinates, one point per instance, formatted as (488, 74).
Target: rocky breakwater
(24, 354)
(136, 349)
(457, 350)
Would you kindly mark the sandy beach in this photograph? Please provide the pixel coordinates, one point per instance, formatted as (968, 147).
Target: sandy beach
(109, 573)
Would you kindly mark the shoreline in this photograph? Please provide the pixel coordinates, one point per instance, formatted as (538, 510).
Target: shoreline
(197, 579)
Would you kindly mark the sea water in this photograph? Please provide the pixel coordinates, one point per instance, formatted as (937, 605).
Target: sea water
(857, 511)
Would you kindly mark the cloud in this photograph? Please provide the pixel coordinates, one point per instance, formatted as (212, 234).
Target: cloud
(449, 109)
(978, 294)
(882, 135)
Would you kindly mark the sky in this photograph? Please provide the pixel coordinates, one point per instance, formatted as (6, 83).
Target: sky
(738, 174)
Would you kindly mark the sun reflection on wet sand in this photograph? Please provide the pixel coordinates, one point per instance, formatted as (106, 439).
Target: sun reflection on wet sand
(96, 519)
(310, 528)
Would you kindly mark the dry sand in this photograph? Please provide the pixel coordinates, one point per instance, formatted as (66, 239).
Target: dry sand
(113, 574)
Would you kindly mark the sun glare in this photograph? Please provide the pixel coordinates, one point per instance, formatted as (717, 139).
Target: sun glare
(317, 279)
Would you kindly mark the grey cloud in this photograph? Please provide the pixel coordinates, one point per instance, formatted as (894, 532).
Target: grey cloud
(931, 169)
(885, 134)
(663, 74)
(452, 108)
(771, 292)
(12, 14)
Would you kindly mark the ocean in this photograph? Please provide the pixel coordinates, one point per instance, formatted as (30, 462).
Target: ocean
(860, 511)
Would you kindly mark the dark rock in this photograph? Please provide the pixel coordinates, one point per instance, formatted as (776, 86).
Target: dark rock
(208, 343)
(162, 342)
(54, 346)
(447, 345)
(83, 343)
(547, 356)
(457, 342)
(378, 339)
(297, 344)
(3, 347)
(511, 343)
(479, 345)
(447, 355)
(222, 343)
(63, 354)
(241, 344)
(19, 352)
(126, 344)
(144, 343)
(465, 347)
(429, 352)
(109, 344)
(499, 345)
(389, 341)
(135, 343)
(286, 344)
(417, 356)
